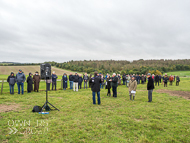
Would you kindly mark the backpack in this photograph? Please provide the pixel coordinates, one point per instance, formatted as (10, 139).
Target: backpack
(37, 109)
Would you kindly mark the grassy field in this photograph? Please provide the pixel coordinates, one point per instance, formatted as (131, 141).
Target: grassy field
(180, 73)
(6, 70)
(166, 119)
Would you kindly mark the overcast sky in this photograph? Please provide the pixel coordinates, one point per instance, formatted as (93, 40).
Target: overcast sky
(64, 30)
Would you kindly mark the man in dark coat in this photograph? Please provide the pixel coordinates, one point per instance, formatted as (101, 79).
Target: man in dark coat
(85, 78)
(54, 80)
(71, 80)
(160, 78)
(36, 79)
(177, 81)
(124, 78)
(165, 80)
(114, 81)
(156, 80)
(29, 83)
(150, 87)
(64, 79)
(95, 87)
(11, 80)
(75, 81)
(80, 82)
(108, 84)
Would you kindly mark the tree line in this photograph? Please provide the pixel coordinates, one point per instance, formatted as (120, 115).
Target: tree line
(129, 67)
(118, 66)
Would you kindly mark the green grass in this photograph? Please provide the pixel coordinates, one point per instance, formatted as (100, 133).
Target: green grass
(180, 73)
(166, 119)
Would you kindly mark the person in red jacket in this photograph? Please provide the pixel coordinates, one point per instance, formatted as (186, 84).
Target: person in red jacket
(171, 79)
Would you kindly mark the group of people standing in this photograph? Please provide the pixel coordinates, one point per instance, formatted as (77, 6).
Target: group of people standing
(20, 79)
(96, 83)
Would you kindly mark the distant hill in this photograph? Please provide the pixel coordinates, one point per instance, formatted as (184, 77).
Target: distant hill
(6, 70)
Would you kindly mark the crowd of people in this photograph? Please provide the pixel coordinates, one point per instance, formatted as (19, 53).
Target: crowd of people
(96, 82)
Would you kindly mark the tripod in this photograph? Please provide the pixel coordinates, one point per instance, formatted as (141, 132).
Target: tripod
(46, 103)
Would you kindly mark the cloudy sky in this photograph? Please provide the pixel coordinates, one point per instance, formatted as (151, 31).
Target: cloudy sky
(64, 30)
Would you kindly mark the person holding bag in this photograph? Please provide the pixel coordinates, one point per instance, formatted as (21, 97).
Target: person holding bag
(132, 88)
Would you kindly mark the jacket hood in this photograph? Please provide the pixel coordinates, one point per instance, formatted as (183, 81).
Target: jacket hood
(12, 73)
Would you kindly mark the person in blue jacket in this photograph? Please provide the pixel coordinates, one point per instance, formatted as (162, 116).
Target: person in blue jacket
(20, 79)
(64, 78)
(80, 81)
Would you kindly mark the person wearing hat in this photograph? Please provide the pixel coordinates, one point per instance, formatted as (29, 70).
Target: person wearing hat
(20, 79)
(11, 80)
(64, 79)
(75, 81)
(36, 79)
(29, 83)
(54, 80)
(150, 87)
(132, 88)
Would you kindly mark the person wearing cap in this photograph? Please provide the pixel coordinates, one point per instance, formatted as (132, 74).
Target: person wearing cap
(54, 80)
(36, 79)
(75, 82)
(64, 79)
(114, 83)
(95, 87)
(132, 88)
(11, 80)
(71, 81)
(29, 83)
(20, 79)
(150, 87)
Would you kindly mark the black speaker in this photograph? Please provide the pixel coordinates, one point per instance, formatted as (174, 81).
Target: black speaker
(45, 70)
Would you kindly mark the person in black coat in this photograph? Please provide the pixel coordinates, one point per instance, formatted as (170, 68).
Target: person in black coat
(124, 78)
(75, 81)
(150, 87)
(108, 85)
(64, 79)
(29, 83)
(80, 82)
(156, 80)
(95, 87)
(11, 80)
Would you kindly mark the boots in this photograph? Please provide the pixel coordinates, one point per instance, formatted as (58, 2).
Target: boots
(133, 98)
(130, 97)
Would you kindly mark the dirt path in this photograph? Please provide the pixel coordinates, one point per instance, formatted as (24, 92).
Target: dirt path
(8, 108)
(183, 94)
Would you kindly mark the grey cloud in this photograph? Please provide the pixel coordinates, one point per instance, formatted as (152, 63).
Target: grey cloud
(38, 31)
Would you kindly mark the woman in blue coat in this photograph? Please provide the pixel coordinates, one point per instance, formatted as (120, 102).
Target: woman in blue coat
(64, 78)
